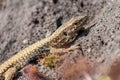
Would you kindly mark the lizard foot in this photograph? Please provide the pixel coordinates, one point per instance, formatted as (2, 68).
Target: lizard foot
(64, 50)
(53, 58)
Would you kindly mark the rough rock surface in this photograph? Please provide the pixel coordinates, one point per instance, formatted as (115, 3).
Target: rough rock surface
(24, 22)
(103, 41)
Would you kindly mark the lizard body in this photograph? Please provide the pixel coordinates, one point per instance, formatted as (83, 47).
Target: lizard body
(65, 34)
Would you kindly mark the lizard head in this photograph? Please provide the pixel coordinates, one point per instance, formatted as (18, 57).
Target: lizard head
(67, 32)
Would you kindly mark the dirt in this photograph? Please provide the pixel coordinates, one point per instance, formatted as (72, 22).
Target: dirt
(114, 72)
(24, 22)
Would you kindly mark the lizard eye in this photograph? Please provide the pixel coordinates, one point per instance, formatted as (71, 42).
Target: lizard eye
(76, 23)
(65, 33)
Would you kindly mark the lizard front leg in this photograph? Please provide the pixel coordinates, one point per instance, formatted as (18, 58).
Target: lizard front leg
(64, 50)
(52, 58)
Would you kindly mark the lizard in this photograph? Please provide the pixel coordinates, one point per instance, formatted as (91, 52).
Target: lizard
(64, 35)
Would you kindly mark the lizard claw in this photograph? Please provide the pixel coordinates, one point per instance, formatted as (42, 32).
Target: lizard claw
(73, 47)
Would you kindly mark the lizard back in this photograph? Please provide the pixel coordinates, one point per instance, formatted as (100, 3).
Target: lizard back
(63, 35)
